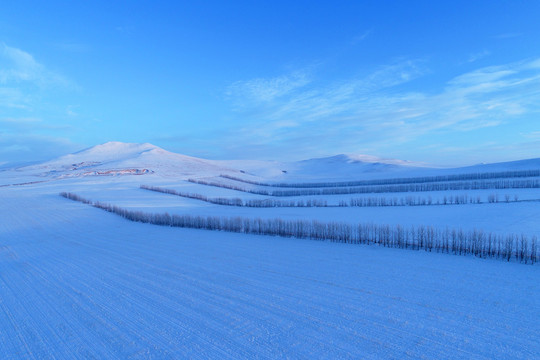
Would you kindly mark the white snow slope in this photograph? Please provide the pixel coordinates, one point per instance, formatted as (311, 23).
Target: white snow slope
(80, 283)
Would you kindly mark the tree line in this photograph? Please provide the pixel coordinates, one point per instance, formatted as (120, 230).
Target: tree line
(259, 203)
(394, 181)
(422, 187)
(357, 202)
(451, 241)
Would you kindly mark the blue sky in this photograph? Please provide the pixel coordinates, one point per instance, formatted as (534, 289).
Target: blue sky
(446, 83)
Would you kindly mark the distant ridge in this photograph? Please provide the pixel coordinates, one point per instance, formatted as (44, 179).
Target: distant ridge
(120, 158)
(367, 159)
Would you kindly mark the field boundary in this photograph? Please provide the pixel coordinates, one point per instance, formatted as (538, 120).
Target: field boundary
(477, 243)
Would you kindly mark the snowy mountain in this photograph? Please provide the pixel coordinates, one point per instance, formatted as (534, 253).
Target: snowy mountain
(117, 158)
(527, 164)
(345, 166)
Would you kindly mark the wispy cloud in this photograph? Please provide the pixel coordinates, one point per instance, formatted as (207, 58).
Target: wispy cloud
(13, 98)
(18, 66)
(70, 111)
(20, 120)
(508, 35)
(25, 82)
(532, 135)
(289, 98)
(20, 147)
(72, 47)
(29, 125)
(30, 96)
(478, 55)
(383, 107)
(265, 90)
(361, 37)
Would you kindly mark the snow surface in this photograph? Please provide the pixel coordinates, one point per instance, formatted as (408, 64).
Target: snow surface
(80, 283)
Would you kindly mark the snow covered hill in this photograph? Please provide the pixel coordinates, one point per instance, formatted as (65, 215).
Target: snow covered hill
(117, 158)
(346, 166)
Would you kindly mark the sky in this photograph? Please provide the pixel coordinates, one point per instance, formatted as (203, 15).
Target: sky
(439, 82)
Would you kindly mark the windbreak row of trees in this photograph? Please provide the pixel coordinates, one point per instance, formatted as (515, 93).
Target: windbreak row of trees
(25, 183)
(259, 203)
(444, 186)
(410, 180)
(456, 241)
(357, 202)
(424, 201)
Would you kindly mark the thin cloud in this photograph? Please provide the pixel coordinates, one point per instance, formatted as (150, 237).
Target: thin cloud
(28, 120)
(25, 82)
(376, 109)
(479, 55)
(27, 88)
(508, 35)
(72, 47)
(33, 147)
(19, 66)
(30, 125)
(70, 111)
(361, 37)
(265, 90)
(532, 135)
(13, 98)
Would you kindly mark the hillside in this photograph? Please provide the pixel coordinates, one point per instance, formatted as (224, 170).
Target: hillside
(130, 158)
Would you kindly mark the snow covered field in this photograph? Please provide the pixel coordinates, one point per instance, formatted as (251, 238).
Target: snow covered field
(78, 282)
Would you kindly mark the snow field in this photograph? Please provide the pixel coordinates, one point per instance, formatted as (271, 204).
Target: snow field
(77, 282)
(80, 283)
(511, 218)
